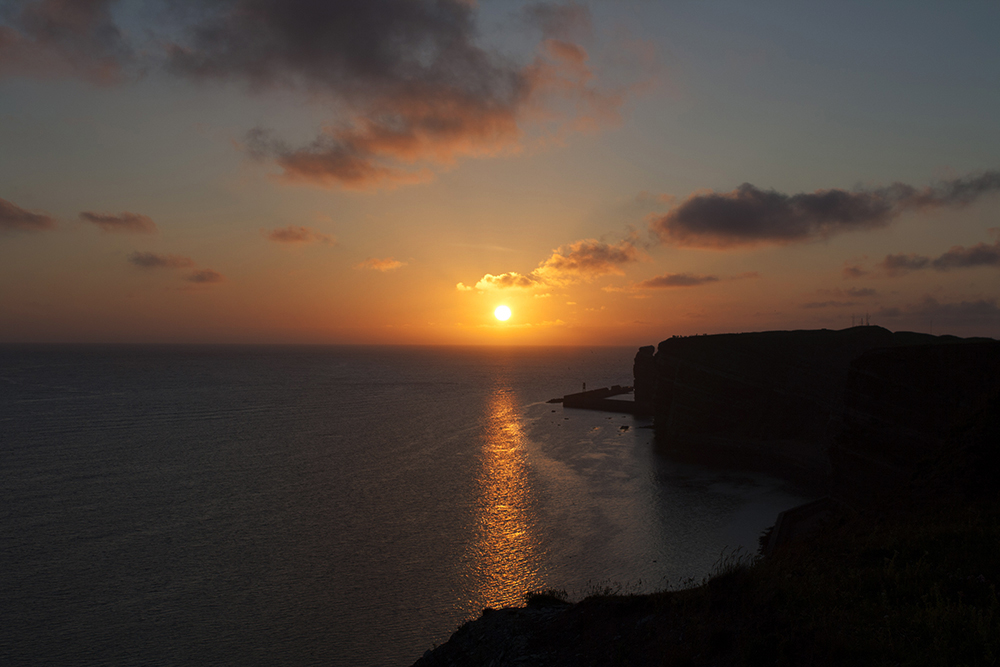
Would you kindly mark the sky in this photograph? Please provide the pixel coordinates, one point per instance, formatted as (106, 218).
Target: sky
(391, 171)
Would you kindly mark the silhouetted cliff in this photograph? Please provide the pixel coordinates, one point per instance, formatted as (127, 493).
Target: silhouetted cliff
(769, 399)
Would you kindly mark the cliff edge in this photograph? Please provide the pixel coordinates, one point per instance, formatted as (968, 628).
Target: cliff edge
(771, 400)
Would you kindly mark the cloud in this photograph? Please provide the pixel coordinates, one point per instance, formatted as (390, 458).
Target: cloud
(206, 276)
(13, 218)
(509, 280)
(751, 216)
(861, 292)
(126, 223)
(587, 259)
(580, 260)
(958, 257)
(387, 264)
(676, 280)
(292, 234)
(57, 38)
(979, 312)
(899, 264)
(462, 287)
(409, 85)
(150, 260)
(856, 271)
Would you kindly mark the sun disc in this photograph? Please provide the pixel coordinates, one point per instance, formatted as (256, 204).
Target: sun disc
(502, 313)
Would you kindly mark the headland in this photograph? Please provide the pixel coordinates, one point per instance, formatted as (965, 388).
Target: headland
(896, 564)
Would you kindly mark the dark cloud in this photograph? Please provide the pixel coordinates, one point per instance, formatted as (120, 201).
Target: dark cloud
(899, 264)
(860, 292)
(407, 77)
(676, 280)
(854, 271)
(292, 234)
(125, 222)
(962, 313)
(151, 260)
(410, 73)
(750, 216)
(958, 257)
(408, 85)
(47, 38)
(206, 276)
(15, 218)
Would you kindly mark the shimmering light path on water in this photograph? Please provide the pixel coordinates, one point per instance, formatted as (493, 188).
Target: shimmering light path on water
(328, 505)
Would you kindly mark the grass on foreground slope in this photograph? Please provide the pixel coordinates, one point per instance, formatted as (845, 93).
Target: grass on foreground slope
(872, 589)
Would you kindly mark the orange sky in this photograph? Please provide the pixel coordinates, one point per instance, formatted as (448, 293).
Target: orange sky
(615, 173)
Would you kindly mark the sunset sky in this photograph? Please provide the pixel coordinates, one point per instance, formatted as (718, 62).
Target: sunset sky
(391, 171)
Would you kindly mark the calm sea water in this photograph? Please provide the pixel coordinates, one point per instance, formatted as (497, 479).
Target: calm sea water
(327, 505)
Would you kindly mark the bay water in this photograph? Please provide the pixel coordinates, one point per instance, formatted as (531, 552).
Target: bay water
(329, 505)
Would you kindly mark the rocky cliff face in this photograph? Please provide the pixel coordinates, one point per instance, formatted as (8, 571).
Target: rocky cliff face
(772, 398)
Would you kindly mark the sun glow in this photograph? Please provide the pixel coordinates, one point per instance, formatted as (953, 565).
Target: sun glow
(502, 313)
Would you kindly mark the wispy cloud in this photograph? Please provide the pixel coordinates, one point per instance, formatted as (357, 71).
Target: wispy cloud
(958, 257)
(896, 265)
(374, 264)
(151, 260)
(13, 218)
(125, 222)
(676, 280)
(749, 215)
(978, 312)
(205, 276)
(854, 271)
(295, 235)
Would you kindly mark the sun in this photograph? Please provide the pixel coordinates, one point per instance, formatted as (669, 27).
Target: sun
(502, 313)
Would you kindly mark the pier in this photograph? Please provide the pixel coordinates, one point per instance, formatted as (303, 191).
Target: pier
(599, 399)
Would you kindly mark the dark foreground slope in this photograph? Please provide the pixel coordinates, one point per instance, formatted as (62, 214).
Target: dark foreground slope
(872, 589)
(903, 570)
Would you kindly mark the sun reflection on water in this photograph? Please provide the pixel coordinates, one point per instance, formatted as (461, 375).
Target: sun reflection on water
(505, 550)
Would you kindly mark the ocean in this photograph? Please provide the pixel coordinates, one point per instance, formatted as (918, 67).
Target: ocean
(329, 505)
